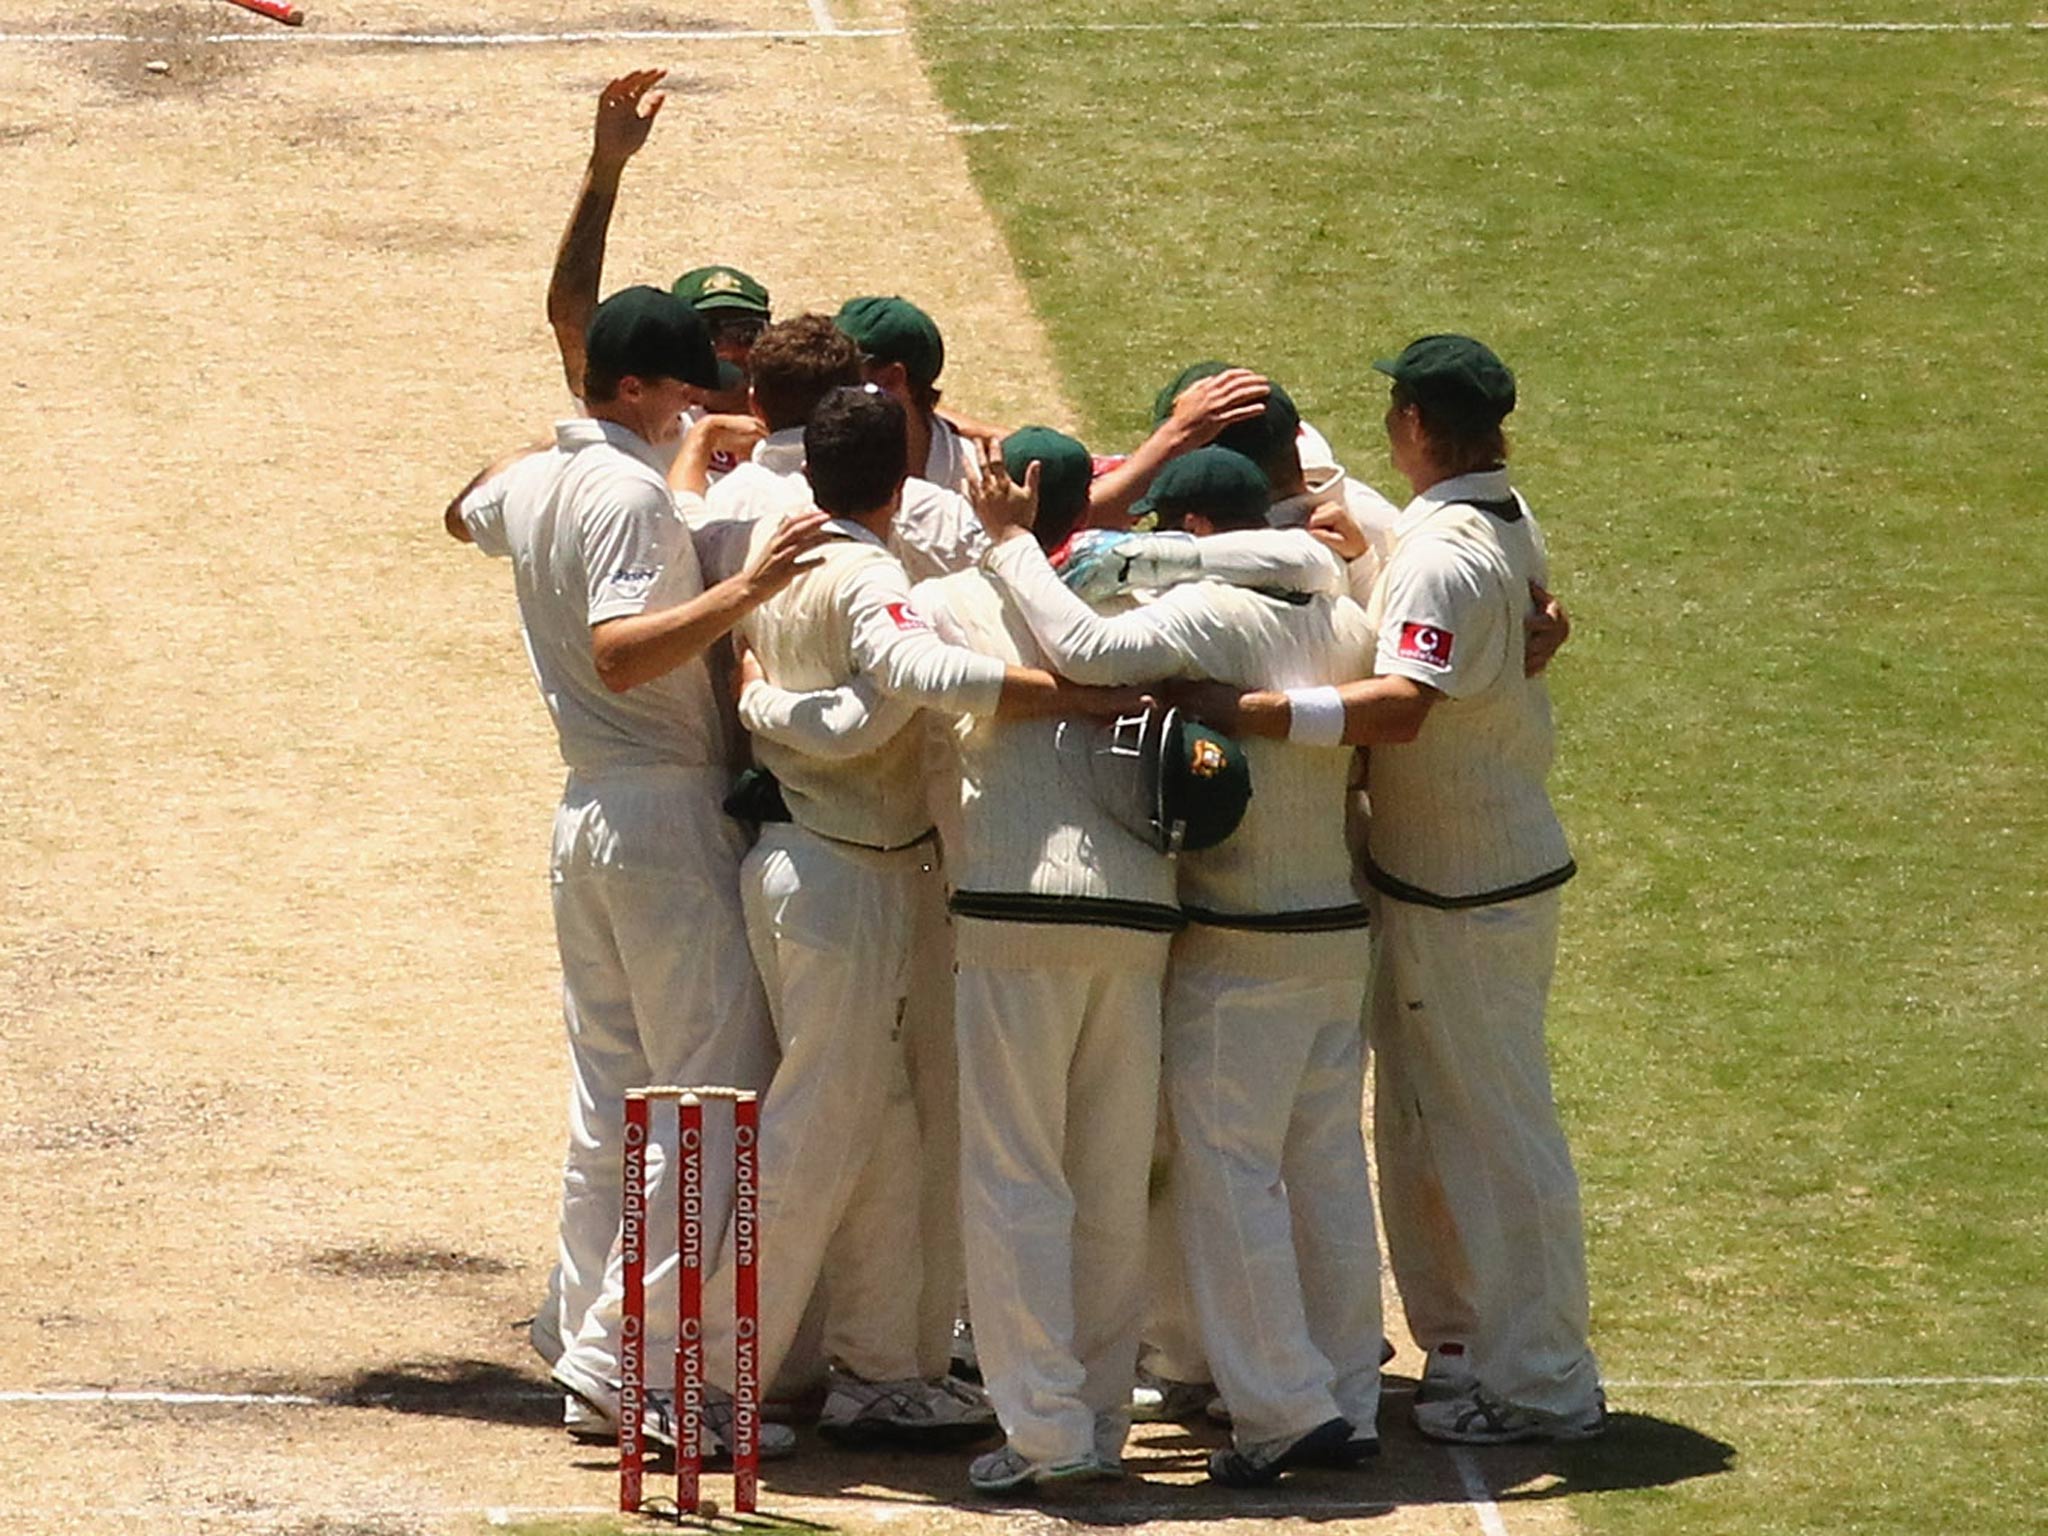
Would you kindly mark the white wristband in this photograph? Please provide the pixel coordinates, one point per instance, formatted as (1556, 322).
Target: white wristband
(1315, 717)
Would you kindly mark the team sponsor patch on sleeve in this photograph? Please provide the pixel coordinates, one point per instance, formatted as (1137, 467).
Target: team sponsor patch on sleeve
(1427, 644)
(633, 580)
(903, 616)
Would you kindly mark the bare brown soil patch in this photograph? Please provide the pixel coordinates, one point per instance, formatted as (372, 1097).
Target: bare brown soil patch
(280, 1061)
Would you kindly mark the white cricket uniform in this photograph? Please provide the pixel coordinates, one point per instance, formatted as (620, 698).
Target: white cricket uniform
(1370, 513)
(1466, 857)
(656, 983)
(1264, 1057)
(934, 532)
(837, 900)
(952, 460)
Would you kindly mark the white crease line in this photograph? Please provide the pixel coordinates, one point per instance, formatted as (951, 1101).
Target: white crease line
(826, 27)
(470, 39)
(1477, 1495)
(171, 1399)
(180, 1399)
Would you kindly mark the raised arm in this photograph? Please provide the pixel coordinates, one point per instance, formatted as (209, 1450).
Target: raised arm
(626, 109)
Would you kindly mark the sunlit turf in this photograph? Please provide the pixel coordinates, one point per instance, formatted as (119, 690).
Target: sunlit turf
(1775, 304)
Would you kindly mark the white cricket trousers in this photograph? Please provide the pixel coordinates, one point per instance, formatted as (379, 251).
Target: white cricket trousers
(1482, 1205)
(832, 928)
(1265, 1071)
(657, 987)
(1058, 1031)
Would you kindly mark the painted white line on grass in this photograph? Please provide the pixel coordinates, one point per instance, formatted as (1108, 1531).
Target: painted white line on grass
(1477, 1495)
(1824, 1383)
(821, 14)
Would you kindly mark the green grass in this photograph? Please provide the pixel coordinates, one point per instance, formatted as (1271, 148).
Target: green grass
(1775, 305)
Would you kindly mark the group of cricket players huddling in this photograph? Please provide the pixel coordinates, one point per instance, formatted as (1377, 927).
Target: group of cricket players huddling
(1046, 835)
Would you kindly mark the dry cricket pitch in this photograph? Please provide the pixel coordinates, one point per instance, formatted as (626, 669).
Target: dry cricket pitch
(280, 1058)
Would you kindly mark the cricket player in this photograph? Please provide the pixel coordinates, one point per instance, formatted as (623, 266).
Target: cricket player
(1063, 915)
(1466, 858)
(656, 985)
(833, 900)
(1264, 1057)
(902, 353)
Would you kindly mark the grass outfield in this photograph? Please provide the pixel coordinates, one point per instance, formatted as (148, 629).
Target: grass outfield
(1774, 301)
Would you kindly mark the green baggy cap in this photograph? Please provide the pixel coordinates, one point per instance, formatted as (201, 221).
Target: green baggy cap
(1258, 439)
(712, 288)
(1455, 375)
(1219, 483)
(650, 334)
(1065, 470)
(894, 330)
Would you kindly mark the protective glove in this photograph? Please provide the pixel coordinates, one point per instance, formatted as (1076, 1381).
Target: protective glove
(1101, 563)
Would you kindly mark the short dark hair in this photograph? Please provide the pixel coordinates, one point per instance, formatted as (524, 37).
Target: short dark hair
(600, 385)
(1460, 443)
(794, 363)
(855, 445)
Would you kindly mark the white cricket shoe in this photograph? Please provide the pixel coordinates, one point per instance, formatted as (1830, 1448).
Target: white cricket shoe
(1446, 1374)
(946, 1411)
(585, 1424)
(1480, 1418)
(1161, 1400)
(544, 1333)
(658, 1421)
(1005, 1471)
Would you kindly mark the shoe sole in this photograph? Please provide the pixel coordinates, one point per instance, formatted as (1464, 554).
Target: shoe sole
(1064, 1473)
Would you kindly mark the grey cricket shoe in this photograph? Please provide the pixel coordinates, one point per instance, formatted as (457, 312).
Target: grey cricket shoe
(1446, 1374)
(943, 1412)
(1006, 1471)
(1480, 1418)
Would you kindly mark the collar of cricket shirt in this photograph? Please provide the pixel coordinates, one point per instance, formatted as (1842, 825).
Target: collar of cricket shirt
(781, 452)
(847, 528)
(1482, 485)
(587, 432)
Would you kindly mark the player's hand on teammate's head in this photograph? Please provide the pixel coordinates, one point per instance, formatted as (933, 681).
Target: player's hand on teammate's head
(1221, 400)
(1333, 525)
(787, 554)
(1544, 631)
(626, 110)
(1005, 507)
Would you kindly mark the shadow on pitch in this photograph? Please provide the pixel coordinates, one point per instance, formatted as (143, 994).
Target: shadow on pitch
(483, 1390)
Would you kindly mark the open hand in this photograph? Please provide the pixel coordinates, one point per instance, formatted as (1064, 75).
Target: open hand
(1005, 507)
(1221, 400)
(786, 554)
(625, 113)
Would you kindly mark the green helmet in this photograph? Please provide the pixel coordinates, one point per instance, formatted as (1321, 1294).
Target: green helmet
(1169, 781)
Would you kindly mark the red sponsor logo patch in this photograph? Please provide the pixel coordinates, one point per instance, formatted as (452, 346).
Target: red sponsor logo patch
(903, 616)
(1427, 644)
